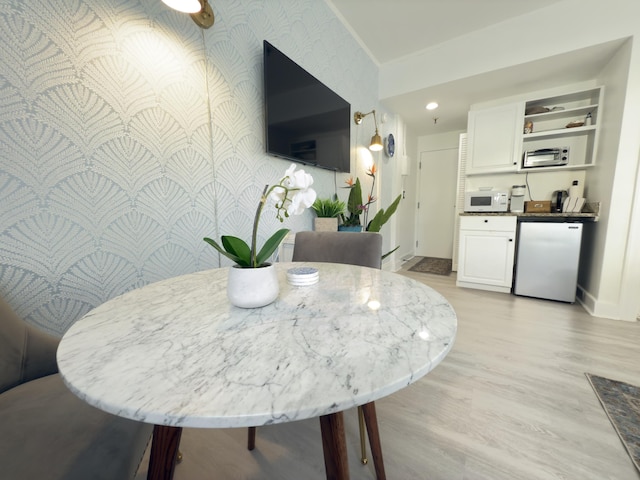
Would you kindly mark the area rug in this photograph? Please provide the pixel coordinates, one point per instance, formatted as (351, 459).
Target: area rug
(621, 402)
(439, 266)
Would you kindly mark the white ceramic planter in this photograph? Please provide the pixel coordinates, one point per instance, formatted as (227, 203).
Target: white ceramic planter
(324, 224)
(252, 287)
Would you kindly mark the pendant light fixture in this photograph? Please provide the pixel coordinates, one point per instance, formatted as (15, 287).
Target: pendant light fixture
(376, 140)
(200, 10)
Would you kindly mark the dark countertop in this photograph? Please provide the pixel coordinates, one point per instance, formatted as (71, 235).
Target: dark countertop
(548, 216)
(591, 213)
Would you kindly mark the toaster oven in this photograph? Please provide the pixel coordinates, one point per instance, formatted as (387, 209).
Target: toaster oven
(546, 157)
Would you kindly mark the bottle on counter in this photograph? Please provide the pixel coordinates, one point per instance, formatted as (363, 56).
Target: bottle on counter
(576, 190)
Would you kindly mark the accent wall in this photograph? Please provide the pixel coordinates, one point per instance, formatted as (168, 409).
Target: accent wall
(127, 134)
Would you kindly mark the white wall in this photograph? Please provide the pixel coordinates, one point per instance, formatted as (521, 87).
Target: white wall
(599, 238)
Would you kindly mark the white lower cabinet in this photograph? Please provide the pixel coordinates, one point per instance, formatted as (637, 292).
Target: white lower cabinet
(486, 253)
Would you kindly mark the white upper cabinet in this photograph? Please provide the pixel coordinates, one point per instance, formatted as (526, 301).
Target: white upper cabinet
(494, 139)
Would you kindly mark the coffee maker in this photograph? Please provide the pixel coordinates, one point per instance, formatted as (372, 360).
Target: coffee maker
(557, 200)
(517, 198)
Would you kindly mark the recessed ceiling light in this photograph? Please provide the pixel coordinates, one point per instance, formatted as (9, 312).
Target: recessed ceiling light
(432, 106)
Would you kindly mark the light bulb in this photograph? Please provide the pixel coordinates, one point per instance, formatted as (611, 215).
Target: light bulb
(186, 6)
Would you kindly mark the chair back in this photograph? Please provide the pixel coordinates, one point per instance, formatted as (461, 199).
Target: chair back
(26, 353)
(364, 249)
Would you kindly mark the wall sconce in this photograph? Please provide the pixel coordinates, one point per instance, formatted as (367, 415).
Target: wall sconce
(200, 10)
(376, 140)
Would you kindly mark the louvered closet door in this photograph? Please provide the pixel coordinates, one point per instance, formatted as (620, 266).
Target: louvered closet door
(462, 167)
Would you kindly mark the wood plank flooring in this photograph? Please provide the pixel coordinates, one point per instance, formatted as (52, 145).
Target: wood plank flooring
(510, 402)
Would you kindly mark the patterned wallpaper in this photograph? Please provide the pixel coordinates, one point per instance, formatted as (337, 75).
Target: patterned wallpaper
(127, 134)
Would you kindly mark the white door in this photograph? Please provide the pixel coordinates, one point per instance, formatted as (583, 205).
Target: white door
(436, 203)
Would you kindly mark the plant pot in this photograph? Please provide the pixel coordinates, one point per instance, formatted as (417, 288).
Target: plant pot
(325, 224)
(252, 287)
(349, 228)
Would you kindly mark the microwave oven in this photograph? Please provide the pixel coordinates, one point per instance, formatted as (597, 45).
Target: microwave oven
(546, 157)
(486, 201)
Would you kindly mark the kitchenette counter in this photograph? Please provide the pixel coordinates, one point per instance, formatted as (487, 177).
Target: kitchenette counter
(586, 216)
(590, 214)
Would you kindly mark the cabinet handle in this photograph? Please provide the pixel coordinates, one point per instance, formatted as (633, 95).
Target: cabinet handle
(486, 221)
(511, 239)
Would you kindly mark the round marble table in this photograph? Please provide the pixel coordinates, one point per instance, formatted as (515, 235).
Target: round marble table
(176, 354)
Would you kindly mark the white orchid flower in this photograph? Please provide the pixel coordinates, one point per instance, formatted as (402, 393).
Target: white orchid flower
(302, 200)
(292, 195)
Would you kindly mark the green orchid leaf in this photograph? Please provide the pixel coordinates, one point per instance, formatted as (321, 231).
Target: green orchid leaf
(234, 258)
(270, 246)
(238, 247)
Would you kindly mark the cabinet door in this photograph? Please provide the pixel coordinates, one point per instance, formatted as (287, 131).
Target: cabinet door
(486, 257)
(495, 139)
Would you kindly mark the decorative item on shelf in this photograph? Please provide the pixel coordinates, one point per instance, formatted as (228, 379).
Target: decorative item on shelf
(574, 124)
(357, 207)
(252, 281)
(327, 212)
(588, 119)
(199, 10)
(528, 127)
(535, 109)
(376, 140)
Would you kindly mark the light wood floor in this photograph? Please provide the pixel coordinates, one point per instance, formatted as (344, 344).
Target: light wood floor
(510, 402)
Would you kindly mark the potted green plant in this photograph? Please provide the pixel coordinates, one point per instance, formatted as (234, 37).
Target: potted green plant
(327, 212)
(350, 220)
(357, 207)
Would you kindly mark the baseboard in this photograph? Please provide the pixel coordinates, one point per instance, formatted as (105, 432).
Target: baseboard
(482, 286)
(389, 264)
(585, 299)
(598, 308)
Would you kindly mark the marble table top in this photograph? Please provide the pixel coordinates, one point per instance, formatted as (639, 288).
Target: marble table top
(177, 353)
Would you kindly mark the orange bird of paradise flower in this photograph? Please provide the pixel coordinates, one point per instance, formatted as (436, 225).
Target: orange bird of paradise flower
(372, 171)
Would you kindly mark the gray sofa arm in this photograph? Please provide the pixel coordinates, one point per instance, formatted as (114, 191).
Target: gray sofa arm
(25, 352)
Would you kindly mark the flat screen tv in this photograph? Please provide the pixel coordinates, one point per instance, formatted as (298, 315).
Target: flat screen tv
(305, 120)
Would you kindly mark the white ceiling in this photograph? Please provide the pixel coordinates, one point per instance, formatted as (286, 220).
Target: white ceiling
(391, 29)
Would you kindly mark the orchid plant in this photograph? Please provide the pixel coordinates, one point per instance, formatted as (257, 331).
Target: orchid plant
(291, 196)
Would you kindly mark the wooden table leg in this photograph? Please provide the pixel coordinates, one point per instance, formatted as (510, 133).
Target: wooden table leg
(164, 452)
(371, 421)
(251, 438)
(334, 446)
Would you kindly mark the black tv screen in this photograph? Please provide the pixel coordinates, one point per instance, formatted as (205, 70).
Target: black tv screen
(305, 120)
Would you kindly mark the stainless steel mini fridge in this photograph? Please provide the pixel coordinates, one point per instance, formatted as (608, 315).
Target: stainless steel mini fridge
(547, 260)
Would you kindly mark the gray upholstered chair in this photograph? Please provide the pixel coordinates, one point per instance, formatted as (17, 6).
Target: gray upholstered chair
(47, 432)
(363, 249)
